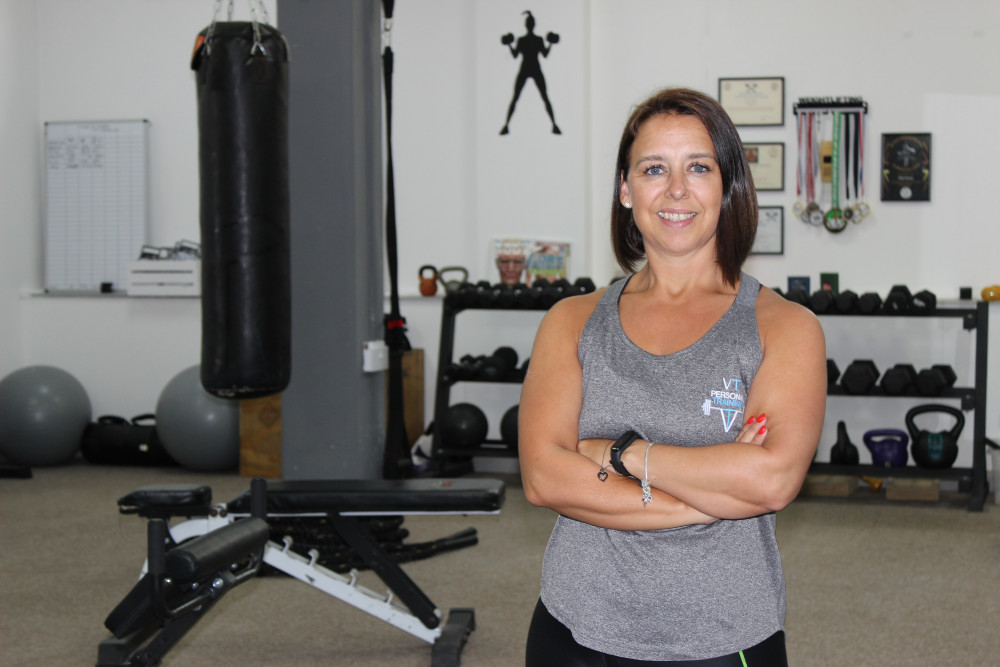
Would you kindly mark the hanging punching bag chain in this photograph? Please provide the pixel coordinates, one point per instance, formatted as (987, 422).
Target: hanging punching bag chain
(258, 15)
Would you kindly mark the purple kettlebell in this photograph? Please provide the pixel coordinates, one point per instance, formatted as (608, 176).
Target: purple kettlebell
(888, 447)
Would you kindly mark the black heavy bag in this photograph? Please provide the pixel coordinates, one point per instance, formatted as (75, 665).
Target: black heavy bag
(242, 80)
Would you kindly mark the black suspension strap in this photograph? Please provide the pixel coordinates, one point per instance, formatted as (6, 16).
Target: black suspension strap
(396, 462)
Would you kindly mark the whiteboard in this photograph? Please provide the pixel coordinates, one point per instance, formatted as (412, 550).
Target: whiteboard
(96, 202)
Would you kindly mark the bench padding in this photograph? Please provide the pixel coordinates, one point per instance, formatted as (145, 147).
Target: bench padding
(378, 495)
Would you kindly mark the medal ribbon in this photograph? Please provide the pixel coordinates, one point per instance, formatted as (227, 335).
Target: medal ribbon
(835, 175)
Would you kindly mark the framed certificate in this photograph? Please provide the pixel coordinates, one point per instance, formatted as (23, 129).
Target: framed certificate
(906, 167)
(767, 165)
(770, 239)
(754, 102)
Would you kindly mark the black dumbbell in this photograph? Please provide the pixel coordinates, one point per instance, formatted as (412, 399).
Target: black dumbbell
(538, 289)
(503, 296)
(869, 303)
(859, 377)
(556, 290)
(822, 301)
(832, 372)
(899, 379)
(469, 367)
(499, 365)
(799, 296)
(506, 39)
(923, 302)
(484, 294)
(453, 373)
(847, 302)
(523, 296)
(553, 37)
(934, 380)
(583, 286)
(897, 301)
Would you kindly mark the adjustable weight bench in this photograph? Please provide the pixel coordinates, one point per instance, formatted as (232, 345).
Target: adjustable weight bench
(343, 504)
(181, 585)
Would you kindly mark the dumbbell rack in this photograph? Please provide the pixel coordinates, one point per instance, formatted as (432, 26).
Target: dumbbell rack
(459, 461)
(971, 480)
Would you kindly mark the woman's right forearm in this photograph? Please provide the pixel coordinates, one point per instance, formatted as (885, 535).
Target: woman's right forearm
(568, 483)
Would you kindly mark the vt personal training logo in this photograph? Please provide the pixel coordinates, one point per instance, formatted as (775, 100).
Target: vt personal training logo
(728, 402)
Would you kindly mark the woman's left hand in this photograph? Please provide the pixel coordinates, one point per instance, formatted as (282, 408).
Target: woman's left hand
(754, 430)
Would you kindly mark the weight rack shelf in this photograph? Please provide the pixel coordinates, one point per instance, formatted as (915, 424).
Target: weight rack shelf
(966, 394)
(974, 318)
(971, 480)
(459, 461)
(961, 474)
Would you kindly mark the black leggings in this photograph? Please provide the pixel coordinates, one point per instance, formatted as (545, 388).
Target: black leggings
(550, 644)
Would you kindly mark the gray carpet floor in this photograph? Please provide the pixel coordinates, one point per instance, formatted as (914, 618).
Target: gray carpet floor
(870, 582)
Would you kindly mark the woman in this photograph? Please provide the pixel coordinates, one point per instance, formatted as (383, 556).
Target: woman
(669, 373)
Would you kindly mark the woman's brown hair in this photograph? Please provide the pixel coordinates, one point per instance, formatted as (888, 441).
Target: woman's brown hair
(738, 215)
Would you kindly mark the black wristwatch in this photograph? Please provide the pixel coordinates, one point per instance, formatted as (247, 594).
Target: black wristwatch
(617, 449)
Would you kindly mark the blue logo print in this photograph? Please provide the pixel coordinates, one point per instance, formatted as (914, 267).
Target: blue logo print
(728, 401)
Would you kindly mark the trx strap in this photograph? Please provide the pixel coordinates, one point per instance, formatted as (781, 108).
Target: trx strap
(396, 462)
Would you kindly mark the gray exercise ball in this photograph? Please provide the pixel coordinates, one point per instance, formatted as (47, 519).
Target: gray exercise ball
(43, 413)
(199, 430)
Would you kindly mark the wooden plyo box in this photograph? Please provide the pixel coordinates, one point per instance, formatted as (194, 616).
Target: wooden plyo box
(913, 489)
(260, 437)
(413, 394)
(260, 421)
(828, 486)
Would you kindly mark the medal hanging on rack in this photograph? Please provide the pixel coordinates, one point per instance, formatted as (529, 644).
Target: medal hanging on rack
(834, 219)
(861, 207)
(799, 208)
(849, 193)
(814, 210)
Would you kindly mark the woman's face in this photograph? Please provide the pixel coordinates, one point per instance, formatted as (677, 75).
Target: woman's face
(674, 185)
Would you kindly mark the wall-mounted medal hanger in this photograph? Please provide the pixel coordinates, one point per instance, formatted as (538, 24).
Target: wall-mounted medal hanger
(831, 143)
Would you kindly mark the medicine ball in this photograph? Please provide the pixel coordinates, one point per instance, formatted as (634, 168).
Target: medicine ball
(463, 426)
(508, 427)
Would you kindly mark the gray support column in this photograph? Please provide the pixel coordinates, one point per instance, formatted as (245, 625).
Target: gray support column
(333, 413)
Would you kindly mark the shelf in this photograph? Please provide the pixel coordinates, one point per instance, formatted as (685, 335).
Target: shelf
(969, 313)
(966, 394)
(490, 448)
(882, 471)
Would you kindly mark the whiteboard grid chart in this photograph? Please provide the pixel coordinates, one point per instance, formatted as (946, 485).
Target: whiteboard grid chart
(96, 202)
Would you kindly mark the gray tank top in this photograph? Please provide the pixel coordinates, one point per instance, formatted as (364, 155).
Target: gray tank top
(685, 593)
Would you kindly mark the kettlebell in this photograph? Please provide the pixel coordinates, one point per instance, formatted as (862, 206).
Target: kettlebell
(939, 449)
(843, 451)
(428, 283)
(452, 285)
(888, 447)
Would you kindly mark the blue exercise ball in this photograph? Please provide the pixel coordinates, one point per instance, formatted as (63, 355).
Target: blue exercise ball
(199, 430)
(43, 413)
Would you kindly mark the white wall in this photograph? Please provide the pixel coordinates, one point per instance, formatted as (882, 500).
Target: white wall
(20, 234)
(921, 65)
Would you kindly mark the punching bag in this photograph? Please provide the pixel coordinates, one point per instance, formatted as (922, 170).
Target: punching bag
(242, 81)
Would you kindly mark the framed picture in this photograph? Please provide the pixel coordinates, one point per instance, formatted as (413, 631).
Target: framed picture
(522, 260)
(906, 167)
(798, 283)
(767, 165)
(770, 239)
(754, 102)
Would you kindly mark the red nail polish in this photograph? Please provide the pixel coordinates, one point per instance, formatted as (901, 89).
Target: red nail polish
(752, 419)
(761, 418)
(762, 431)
